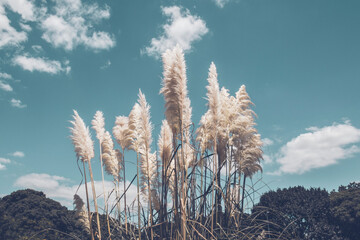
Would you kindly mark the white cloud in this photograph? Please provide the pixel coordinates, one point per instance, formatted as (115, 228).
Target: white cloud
(37, 48)
(267, 142)
(25, 27)
(9, 36)
(5, 76)
(4, 161)
(221, 3)
(40, 64)
(23, 7)
(181, 28)
(73, 25)
(319, 147)
(60, 189)
(5, 86)
(17, 103)
(18, 154)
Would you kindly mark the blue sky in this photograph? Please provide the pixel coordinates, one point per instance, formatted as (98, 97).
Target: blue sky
(299, 61)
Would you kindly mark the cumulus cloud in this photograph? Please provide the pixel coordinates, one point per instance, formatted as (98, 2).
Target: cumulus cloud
(61, 189)
(17, 103)
(72, 24)
(40, 64)
(18, 154)
(221, 3)
(181, 28)
(317, 148)
(64, 23)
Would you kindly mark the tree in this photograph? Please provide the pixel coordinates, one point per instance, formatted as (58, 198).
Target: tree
(345, 209)
(298, 213)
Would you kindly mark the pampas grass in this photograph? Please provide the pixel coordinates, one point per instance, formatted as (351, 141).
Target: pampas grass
(98, 124)
(84, 149)
(81, 214)
(226, 138)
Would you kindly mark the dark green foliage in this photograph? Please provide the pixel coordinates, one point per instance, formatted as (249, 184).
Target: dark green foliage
(298, 213)
(27, 212)
(345, 207)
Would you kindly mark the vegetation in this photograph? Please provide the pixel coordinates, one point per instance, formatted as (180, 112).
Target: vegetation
(205, 170)
(195, 184)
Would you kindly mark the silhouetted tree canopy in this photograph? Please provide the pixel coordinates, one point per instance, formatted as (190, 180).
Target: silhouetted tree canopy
(298, 213)
(345, 207)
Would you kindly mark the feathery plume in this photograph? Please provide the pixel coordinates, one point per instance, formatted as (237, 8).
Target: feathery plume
(213, 97)
(110, 156)
(149, 172)
(145, 126)
(81, 214)
(81, 138)
(165, 143)
(174, 87)
(98, 124)
(122, 132)
(134, 118)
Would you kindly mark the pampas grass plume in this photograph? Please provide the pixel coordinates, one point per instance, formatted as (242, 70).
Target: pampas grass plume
(81, 138)
(81, 214)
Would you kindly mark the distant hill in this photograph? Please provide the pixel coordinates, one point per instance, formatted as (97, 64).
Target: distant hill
(26, 214)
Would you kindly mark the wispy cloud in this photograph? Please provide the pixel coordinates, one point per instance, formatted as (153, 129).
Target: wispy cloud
(61, 189)
(4, 161)
(181, 28)
(106, 65)
(25, 8)
(221, 3)
(18, 154)
(9, 36)
(317, 148)
(17, 103)
(40, 64)
(5, 86)
(5, 76)
(267, 142)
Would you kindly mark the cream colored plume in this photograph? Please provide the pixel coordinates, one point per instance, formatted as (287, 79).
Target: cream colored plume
(122, 132)
(174, 87)
(188, 148)
(81, 215)
(134, 121)
(149, 172)
(203, 132)
(81, 138)
(145, 127)
(244, 102)
(110, 156)
(213, 97)
(165, 143)
(170, 176)
(98, 124)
